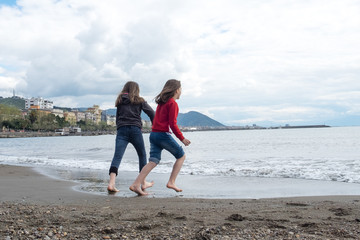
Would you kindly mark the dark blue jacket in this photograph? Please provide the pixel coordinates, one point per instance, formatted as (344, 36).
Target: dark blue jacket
(130, 114)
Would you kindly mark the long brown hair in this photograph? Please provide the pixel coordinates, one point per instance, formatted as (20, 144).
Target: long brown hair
(131, 88)
(168, 91)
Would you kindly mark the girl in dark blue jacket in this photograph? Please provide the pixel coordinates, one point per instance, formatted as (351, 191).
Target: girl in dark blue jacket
(129, 105)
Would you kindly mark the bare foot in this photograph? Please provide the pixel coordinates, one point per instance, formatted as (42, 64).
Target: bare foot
(147, 185)
(112, 189)
(137, 189)
(173, 186)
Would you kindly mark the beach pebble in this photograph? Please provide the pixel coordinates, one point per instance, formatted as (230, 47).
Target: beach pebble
(27, 222)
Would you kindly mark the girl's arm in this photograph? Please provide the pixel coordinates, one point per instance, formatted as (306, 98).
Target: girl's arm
(173, 113)
(148, 110)
(186, 142)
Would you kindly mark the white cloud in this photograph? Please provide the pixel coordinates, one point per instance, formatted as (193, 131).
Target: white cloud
(7, 82)
(289, 61)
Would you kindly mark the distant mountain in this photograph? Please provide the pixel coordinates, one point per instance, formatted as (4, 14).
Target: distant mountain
(196, 119)
(190, 119)
(14, 102)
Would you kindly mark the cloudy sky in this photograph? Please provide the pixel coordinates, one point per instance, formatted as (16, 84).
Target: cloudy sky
(265, 62)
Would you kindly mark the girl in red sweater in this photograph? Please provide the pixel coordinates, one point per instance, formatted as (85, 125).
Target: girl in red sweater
(160, 138)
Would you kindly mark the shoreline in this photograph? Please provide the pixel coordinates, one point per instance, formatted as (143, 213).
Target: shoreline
(202, 186)
(36, 206)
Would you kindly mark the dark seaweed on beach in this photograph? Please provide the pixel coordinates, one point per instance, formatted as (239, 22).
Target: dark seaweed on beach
(235, 217)
(340, 212)
(297, 204)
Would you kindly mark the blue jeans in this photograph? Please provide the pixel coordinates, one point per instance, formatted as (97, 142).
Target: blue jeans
(160, 141)
(124, 136)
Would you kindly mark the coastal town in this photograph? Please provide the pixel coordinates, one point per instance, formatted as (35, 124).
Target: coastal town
(69, 120)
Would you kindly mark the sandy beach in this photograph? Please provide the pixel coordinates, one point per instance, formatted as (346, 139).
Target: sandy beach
(34, 206)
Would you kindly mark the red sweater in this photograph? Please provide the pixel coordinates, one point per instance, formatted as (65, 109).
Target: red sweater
(165, 117)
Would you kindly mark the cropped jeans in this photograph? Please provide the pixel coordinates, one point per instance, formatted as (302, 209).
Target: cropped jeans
(160, 141)
(124, 136)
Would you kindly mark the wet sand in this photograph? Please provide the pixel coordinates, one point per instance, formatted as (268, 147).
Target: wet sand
(35, 206)
(200, 186)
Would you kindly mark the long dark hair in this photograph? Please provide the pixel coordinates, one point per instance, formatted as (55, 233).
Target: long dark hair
(168, 91)
(131, 88)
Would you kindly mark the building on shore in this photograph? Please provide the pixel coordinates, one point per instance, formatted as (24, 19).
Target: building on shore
(39, 101)
(110, 119)
(89, 117)
(58, 112)
(95, 112)
(70, 117)
(80, 116)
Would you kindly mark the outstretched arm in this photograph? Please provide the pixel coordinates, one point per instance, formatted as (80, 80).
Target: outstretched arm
(148, 110)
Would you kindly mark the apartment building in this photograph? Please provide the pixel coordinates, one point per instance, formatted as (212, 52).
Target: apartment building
(58, 112)
(80, 116)
(94, 113)
(39, 101)
(70, 117)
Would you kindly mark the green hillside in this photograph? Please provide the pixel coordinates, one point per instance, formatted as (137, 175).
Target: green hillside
(14, 102)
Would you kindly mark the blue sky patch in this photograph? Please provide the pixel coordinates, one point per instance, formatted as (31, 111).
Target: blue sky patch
(8, 2)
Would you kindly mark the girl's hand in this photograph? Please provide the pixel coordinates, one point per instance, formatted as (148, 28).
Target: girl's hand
(186, 142)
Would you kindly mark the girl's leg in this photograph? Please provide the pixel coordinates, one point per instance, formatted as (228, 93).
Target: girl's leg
(136, 186)
(176, 169)
(155, 156)
(176, 150)
(137, 141)
(121, 143)
(111, 187)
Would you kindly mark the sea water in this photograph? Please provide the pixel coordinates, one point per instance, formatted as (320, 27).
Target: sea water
(327, 154)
